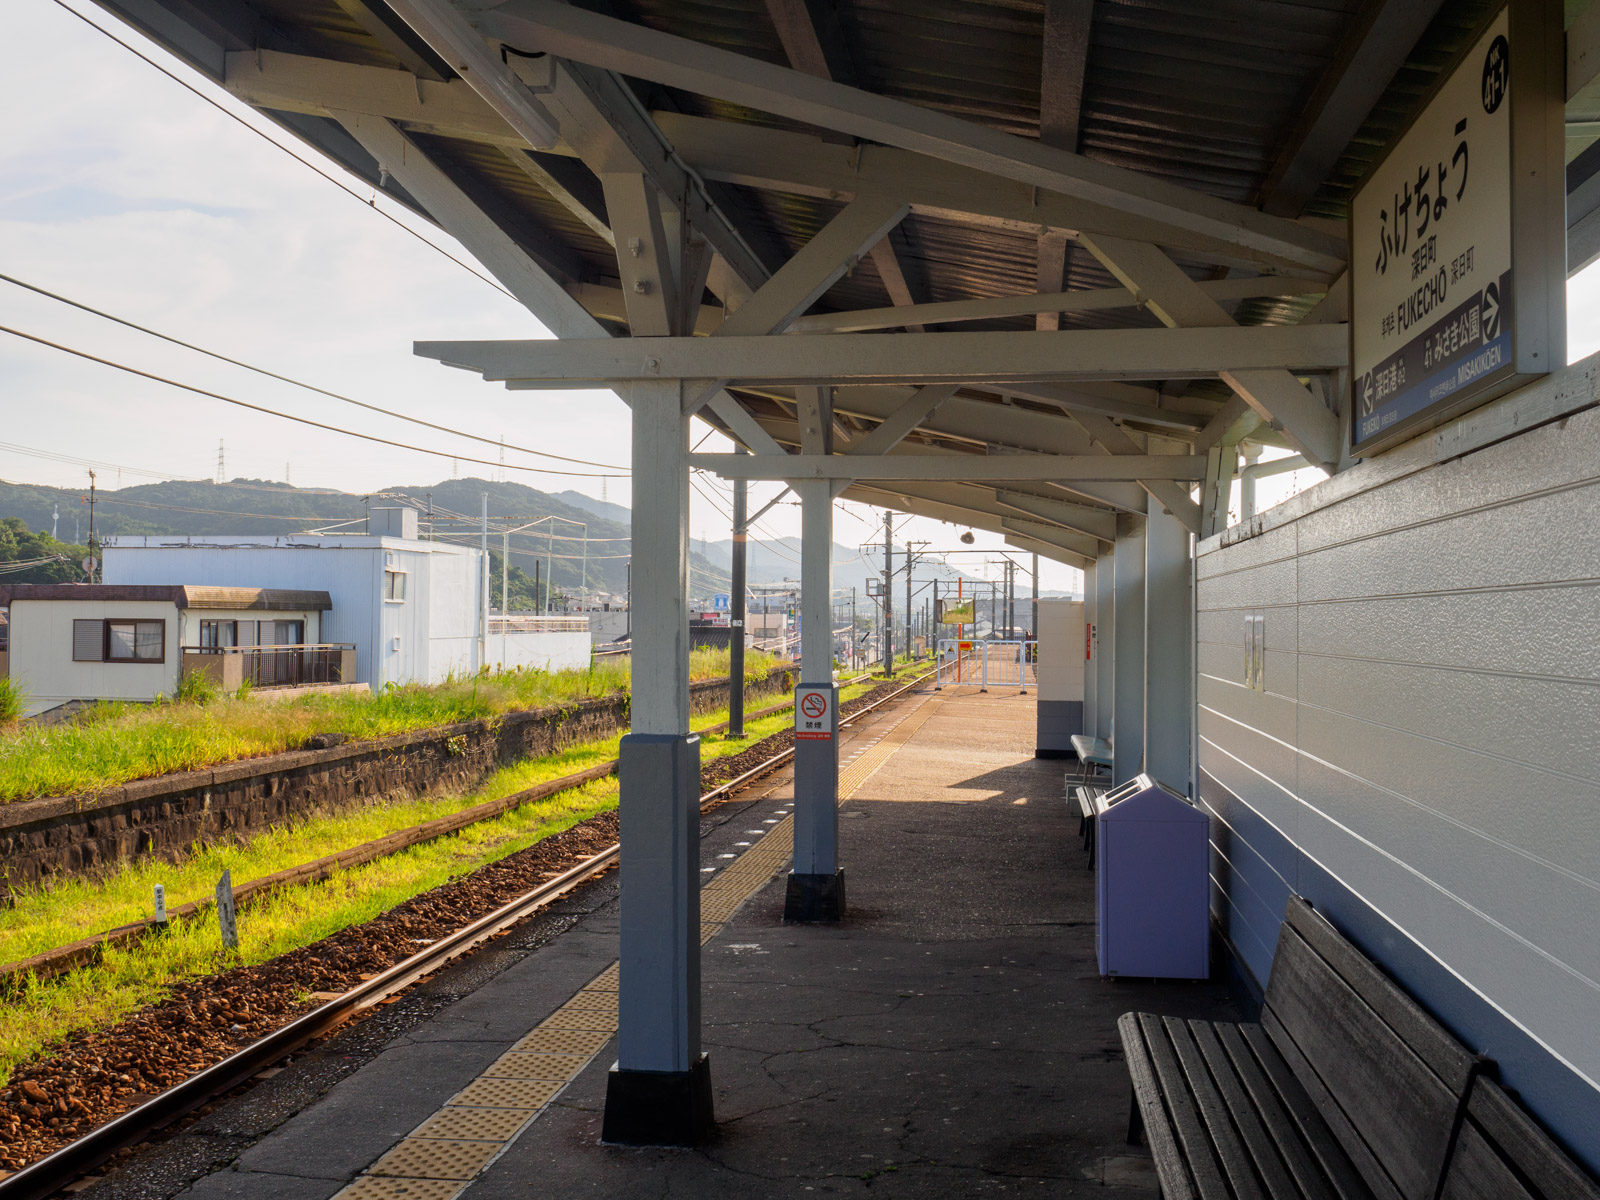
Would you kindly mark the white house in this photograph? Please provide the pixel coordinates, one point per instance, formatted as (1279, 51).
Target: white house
(84, 642)
(414, 609)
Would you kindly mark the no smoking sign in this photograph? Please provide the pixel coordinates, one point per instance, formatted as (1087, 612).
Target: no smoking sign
(813, 714)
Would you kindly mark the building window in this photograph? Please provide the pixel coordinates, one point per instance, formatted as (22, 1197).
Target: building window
(136, 641)
(214, 635)
(394, 585)
(88, 641)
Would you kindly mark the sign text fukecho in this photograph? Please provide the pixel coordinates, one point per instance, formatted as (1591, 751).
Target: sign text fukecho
(1457, 240)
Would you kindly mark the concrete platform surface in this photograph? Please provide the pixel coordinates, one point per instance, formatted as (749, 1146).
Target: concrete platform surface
(951, 1038)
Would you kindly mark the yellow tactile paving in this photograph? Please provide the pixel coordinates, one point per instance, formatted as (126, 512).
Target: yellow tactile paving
(508, 1093)
(436, 1158)
(582, 1042)
(475, 1124)
(448, 1150)
(516, 1065)
(597, 1000)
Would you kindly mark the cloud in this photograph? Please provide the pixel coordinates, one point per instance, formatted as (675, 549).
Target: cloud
(123, 190)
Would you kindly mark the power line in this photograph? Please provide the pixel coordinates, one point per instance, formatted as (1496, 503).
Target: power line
(271, 142)
(109, 498)
(271, 412)
(310, 387)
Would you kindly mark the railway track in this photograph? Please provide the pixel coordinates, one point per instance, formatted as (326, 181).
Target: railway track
(61, 959)
(72, 1162)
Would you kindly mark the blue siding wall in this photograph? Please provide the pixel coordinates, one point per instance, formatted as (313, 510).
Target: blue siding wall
(1422, 761)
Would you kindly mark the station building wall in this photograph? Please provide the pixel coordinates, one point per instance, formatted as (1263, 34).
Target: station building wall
(1420, 754)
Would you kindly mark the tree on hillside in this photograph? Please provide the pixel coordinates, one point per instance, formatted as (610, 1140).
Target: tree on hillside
(48, 561)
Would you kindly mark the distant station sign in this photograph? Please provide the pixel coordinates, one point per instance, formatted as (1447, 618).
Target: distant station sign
(814, 716)
(957, 612)
(1457, 239)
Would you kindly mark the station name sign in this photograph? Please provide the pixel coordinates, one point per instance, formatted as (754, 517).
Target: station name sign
(1453, 274)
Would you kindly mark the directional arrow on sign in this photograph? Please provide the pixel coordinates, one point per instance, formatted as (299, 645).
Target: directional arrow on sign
(1491, 312)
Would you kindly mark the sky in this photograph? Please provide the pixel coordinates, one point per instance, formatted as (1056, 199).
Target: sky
(122, 190)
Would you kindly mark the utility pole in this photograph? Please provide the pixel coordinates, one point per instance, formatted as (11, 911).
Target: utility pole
(549, 569)
(1011, 599)
(92, 553)
(888, 593)
(1035, 613)
(736, 613)
(854, 641)
(908, 598)
(629, 630)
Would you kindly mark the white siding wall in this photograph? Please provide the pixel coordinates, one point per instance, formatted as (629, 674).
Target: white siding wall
(455, 603)
(1061, 660)
(542, 651)
(1424, 759)
(436, 623)
(41, 653)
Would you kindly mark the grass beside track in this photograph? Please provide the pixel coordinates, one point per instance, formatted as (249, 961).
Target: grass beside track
(39, 1014)
(111, 744)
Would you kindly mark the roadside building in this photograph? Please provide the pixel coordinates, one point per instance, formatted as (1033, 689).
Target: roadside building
(76, 643)
(413, 609)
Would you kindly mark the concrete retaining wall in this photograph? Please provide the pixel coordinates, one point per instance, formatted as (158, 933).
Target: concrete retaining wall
(164, 816)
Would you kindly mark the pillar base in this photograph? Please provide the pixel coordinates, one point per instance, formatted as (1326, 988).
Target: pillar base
(659, 1108)
(814, 899)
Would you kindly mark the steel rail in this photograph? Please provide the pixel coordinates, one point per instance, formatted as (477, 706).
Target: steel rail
(71, 1162)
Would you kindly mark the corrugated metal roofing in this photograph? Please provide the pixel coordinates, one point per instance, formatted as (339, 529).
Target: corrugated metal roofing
(1200, 92)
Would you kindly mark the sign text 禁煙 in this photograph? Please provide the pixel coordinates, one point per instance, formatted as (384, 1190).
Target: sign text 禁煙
(813, 714)
(1431, 252)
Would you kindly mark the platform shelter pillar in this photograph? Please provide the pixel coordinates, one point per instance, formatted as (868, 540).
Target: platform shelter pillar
(1169, 649)
(1128, 683)
(1105, 585)
(816, 884)
(1091, 681)
(659, 1091)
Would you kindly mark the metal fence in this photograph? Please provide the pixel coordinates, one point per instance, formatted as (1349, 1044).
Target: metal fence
(988, 663)
(280, 666)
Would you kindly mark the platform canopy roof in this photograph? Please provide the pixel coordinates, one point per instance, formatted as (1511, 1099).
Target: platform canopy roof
(986, 247)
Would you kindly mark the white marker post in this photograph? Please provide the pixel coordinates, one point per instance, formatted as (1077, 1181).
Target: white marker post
(161, 905)
(227, 915)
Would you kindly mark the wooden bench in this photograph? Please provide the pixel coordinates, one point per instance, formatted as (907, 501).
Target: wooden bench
(1500, 1154)
(1346, 1090)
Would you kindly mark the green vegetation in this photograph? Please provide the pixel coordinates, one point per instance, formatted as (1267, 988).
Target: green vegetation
(48, 561)
(39, 1014)
(113, 743)
(13, 699)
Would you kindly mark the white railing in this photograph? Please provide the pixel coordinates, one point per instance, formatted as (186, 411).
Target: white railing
(988, 663)
(537, 624)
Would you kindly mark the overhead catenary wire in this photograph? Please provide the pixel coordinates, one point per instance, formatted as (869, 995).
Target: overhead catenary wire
(271, 412)
(232, 116)
(310, 387)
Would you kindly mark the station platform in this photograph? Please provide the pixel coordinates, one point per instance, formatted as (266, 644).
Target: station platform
(952, 1037)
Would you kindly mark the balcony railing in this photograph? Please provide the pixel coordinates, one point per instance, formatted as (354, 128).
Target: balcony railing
(274, 666)
(537, 623)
